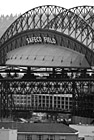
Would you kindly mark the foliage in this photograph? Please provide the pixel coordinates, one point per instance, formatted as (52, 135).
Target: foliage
(6, 21)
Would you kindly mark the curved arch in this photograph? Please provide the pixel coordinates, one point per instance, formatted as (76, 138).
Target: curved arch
(71, 24)
(35, 18)
(52, 18)
(56, 38)
(90, 21)
(84, 12)
(46, 16)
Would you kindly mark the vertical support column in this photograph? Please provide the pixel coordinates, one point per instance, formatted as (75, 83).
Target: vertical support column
(0, 103)
(73, 97)
(64, 102)
(34, 100)
(41, 101)
(53, 72)
(49, 101)
(4, 55)
(56, 101)
(53, 101)
(0, 106)
(45, 102)
(28, 72)
(68, 103)
(37, 100)
(60, 102)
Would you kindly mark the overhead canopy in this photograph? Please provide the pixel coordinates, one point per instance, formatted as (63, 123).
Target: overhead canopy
(46, 55)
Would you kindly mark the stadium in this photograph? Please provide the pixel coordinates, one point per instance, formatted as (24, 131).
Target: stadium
(47, 62)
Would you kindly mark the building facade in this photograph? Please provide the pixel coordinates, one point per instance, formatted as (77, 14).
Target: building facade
(44, 101)
(42, 131)
(48, 37)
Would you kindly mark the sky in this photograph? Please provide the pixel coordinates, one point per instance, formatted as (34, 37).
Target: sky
(21, 6)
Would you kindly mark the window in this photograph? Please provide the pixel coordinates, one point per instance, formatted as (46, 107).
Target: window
(62, 138)
(40, 137)
(51, 137)
(28, 137)
(24, 137)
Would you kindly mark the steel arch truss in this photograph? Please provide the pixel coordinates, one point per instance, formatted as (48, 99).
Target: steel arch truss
(35, 18)
(55, 18)
(84, 12)
(69, 29)
(61, 40)
(90, 21)
(73, 26)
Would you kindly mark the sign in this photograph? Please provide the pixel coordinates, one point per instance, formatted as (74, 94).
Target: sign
(39, 39)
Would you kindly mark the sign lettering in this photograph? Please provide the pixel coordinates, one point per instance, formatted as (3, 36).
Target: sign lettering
(39, 39)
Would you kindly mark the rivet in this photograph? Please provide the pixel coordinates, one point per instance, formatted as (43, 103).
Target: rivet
(35, 58)
(61, 60)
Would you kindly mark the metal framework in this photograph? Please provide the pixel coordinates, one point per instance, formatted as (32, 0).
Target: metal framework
(55, 82)
(54, 18)
(61, 39)
(85, 12)
(72, 28)
(33, 19)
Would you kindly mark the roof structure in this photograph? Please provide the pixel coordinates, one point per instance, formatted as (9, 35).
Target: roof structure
(46, 55)
(39, 127)
(70, 28)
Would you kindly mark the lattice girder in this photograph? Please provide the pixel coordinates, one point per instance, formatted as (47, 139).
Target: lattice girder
(78, 84)
(35, 18)
(43, 16)
(6, 99)
(85, 12)
(78, 88)
(73, 26)
(90, 21)
(61, 40)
